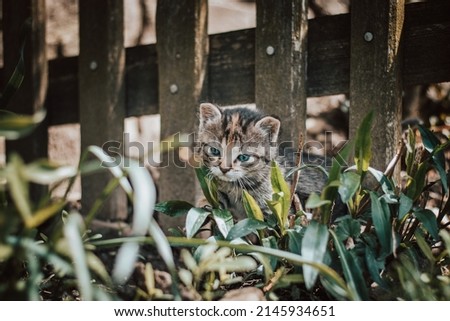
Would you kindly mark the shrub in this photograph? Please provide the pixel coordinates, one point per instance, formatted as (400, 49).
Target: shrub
(389, 244)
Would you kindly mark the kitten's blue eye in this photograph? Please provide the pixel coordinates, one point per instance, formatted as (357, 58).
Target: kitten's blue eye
(243, 157)
(214, 151)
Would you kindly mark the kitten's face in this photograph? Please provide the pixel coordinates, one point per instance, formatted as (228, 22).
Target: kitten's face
(236, 144)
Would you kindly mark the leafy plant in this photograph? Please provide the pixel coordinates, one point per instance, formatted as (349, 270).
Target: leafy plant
(386, 244)
(46, 251)
(42, 244)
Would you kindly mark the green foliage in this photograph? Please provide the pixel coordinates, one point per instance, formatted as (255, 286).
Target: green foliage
(387, 246)
(314, 246)
(47, 252)
(363, 145)
(281, 197)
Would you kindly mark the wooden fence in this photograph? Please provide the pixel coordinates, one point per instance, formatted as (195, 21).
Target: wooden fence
(371, 54)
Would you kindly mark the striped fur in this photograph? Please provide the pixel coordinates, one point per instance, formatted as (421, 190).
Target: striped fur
(237, 146)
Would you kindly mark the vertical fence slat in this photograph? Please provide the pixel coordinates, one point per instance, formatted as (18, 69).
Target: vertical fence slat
(31, 95)
(375, 73)
(182, 46)
(280, 62)
(101, 85)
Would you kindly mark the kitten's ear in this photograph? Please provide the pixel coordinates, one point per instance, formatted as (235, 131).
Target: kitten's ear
(270, 125)
(209, 113)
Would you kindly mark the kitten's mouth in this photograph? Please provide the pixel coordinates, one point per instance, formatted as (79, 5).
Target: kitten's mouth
(225, 178)
(229, 176)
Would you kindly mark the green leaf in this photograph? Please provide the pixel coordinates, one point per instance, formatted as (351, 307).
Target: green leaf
(410, 151)
(382, 223)
(363, 144)
(96, 265)
(144, 197)
(295, 240)
(46, 172)
(330, 192)
(125, 262)
(440, 167)
(333, 288)
(348, 227)
(281, 188)
(173, 208)
(245, 227)
(72, 232)
(424, 246)
(272, 243)
(442, 147)
(44, 213)
(352, 271)
(224, 220)
(276, 207)
(265, 261)
(374, 266)
(429, 222)
(6, 252)
(251, 207)
(34, 276)
(387, 186)
(13, 126)
(18, 187)
(194, 220)
(416, 184)
(432, 145)
(165, 251)
(349, 185)
(314, 246)
(405, 206)
(430, 141)
(314, 201)
(208, 186)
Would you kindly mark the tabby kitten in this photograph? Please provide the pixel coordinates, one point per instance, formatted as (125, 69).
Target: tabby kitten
(237, 146)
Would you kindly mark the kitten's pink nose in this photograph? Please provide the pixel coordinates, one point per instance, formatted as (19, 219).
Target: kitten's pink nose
(225, 170)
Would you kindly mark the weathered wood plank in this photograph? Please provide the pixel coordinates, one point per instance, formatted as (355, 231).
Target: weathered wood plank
(182, 46)
(280, 64)
(101, 70)
(328, 55)
(63, 96)
(375, 73)
(31, 95)
(231, 69)
(141, 81)
(141, 86)
(427, 43)
(231, 65)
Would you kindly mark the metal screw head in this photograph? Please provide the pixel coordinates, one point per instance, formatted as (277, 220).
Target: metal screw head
(368, 36)
(93, 65)
(270, 51)
(173, 89)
